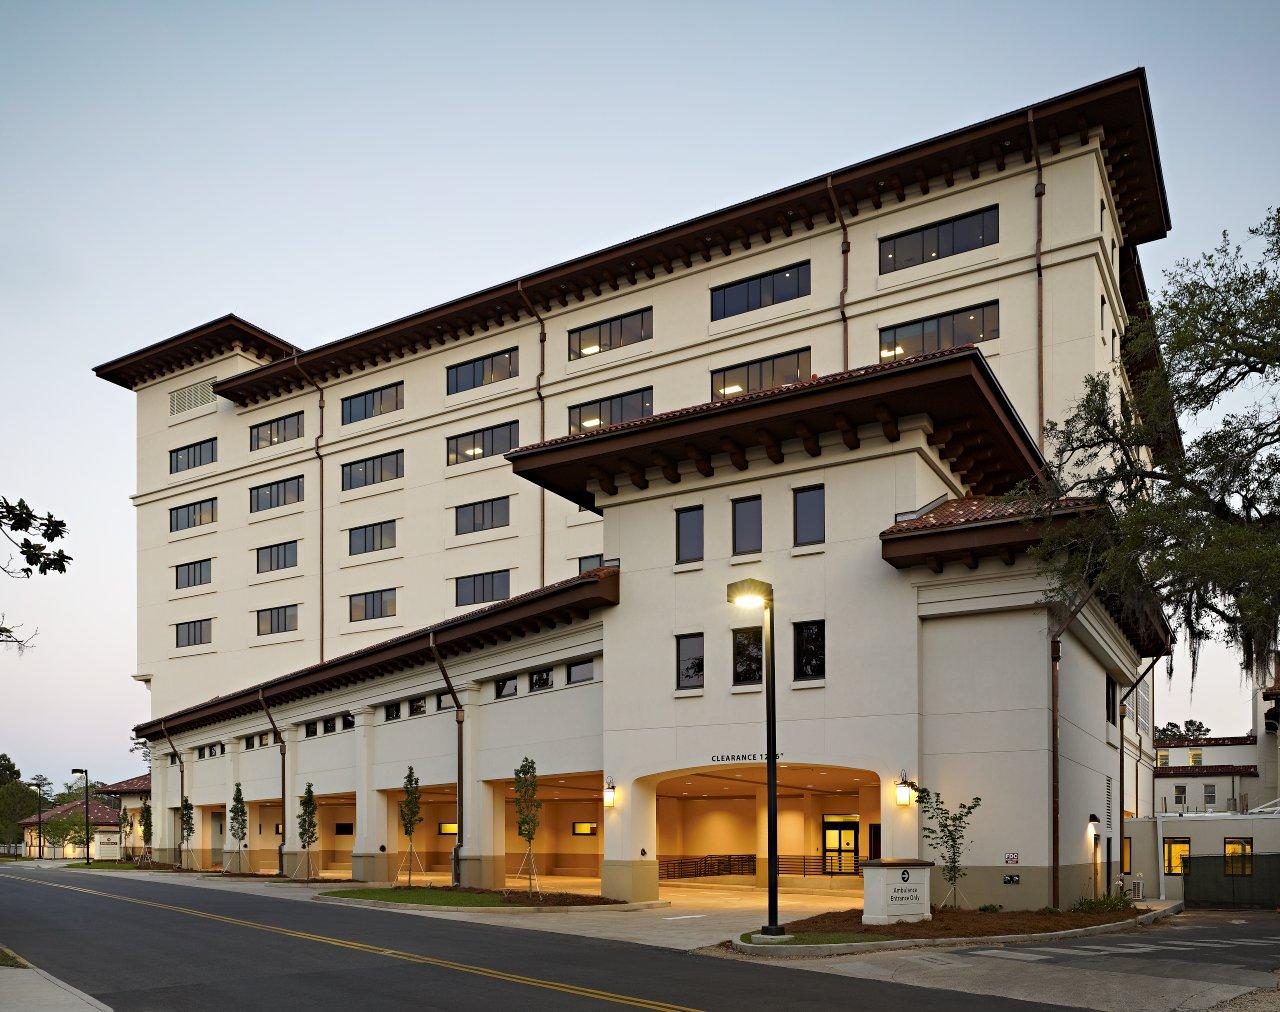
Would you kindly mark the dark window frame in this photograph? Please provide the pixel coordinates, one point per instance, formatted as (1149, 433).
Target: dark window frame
(683, 556)
(199, 454)
(586, 563)
(1113, 701)
(740, 635)
(418, 706)
(481, 588)
(536, 676)
(942, 238)
(372, 470)
(274, 494)
(1166, 853)
(480, 372)
(759, 291)
(506, 688)
(796, 493)
(282, 555)
(684, 680)
(1238, 865)
(755, 369)
(310, 729)
(201, 570)
(371, 537)
(482, 515)
(373, 603)
(616, 410)
(889, 338)
(588, 664)
(798, 645)
(276, 431)
(390, 711)
(733, 508)
(486, 441)
(192, 512)
(202, 628)
(612, 341)
(371, 403)
(281, 618)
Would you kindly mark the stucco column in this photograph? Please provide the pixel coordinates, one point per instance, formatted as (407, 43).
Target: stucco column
(290, 802)
(630, 868)
(484, 845)
(235, 747)
(194, 848)
(370, 861)
(161, 825)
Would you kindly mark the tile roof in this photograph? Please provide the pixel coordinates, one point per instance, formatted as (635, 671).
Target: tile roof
(99, 814)
(972, 510)
(1219, 770)
(134, 785)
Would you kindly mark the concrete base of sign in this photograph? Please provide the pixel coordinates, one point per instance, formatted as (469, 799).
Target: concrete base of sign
(895, 889)
(758, 939)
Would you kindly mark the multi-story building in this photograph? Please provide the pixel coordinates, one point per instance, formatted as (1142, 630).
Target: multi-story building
(317, 528)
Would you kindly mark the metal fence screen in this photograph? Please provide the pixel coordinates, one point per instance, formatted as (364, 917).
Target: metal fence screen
(1206, 882)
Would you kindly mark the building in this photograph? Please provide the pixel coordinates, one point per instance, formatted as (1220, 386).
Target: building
(130, 795)
(103, 825)
(546, 486)
(1206, 774)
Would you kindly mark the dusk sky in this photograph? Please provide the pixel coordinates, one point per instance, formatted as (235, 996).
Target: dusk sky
(322, 168)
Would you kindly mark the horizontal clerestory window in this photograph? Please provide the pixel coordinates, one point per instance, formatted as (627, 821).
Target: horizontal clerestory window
(937, 333)
(358, 407)
(193, 574)
(611, 410)
(371, 538)
(760, 374)
(371, 470)
(617, 332)
(479, 372)
(275, 494)
(193, 515)
(372, 604)
(193, 634)
(194, 455)
(940, 240)
(277, 620)
(278, 430)
(481, 443)
(281, 556)
(481, 587)
(482, 516)
(759, 291)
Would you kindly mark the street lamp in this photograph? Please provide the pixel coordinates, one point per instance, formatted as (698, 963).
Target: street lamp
(87, 860)
(759, 594)
(38, 787)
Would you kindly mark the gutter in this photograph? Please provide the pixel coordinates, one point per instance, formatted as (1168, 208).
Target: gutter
(284, 826)
(320, 469)
(542, 435)
(458, 718)
(1039, 194)
(844, 274)
(182, 782)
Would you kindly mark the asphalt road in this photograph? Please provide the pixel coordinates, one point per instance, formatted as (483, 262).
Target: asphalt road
(135, 944)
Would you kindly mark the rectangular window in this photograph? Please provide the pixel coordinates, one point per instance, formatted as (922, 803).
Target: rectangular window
(810, 650)
(748, 656)
(747, 526)
(760, 374)
(281, 556)
(446, 829)
(689, 661)
(249, 741)
(173, 759)
(689, 534)
(263, 739)
(1162, 757)
(1210, 795)
(348, 722)
(539, 680)
(278, 430)
(417, 706)
(581, 671)
(481, 587)
(444, 701)
(371, 537)
(482, 516)
(1180, 794)
(1175, 852)
(482, 443)
(1195, 757)
(194, 515)
(373, 604)
(391, 711)
(585, 828)
(344, 829)
(1126, 856)
(372, 470)
(329, 725)
(618, 332)
(1113, 701)
(195, 455)
(200, 752)
(277, 620)
(1237, 854)
(310, 729)
(610, 411)
(760, 291)
(372, 402)
(193, 574)
(504, 688)
(194, 634)
(482, 371)
(276, 493)
(586, 563)
(940, 240)
(810, 507)
(937, 333)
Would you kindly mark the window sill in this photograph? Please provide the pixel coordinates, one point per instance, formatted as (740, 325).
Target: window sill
(609, 358)
(686, 694)
(935, 270)
(272, 639)
(810, 683)
(188, 595)
(369, 558)
(369, 491)
(193, 532)
(745, 560)
(801, 550)
(369, 625)
(482, 537)
(473, 466)
(274, 576)
(275, 514)
(745, 689)
(193, 652)
(687, 567)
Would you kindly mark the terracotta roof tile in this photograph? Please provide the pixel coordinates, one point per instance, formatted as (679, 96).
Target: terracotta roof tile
(972, 510)
(1220, 770)
(134, 785)
(99, 814)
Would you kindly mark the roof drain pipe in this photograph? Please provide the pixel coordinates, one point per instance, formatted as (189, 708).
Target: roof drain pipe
(542, 431)
(844, 273)
(275, 731)
(320, 469)
(1035, 148)
(182, 782)
(1120, 714)
(458, 718)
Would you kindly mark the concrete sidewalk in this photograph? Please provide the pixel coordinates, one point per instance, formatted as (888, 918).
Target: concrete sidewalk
(30, 989)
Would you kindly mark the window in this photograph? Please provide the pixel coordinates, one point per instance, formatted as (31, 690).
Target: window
(373, 402)
(618, 332)
(281, 556)
(200, 752)
(189, 398)
(1102, 313)
(747, 532)
(480, 372)
(310, 729)
(196, 455)
(1113, 701)
(329, 725)
(444, 701)
(581, 671)
(277, 620)
(943, 239)
(173, 759)
(586, 563)
(760, 291)
(372, 470)
(193, 574)
(539, 680)
(760, 374)
(1237, 855)
(1162, 757)
(446, 829)
(951, 330)
(391, 711)
(1126, 856)
(249, 741)
(348, 722)
(611, 410)
(344, 829)
(198, 513)
(278, 430)
(810, 650)
(371, 537)
(1210, 795)
(276, 493)
(1195, 757)
(504, 688)
(417, 706)
(263, 740)
(1180, 794)
(585, 828)
(689, 661)
(748, 655)
(482, 516)
(194, 634)
(482, 443)
(810, 508)
(481, 587)
(689, 534)
(373, 604)
(1175, 852)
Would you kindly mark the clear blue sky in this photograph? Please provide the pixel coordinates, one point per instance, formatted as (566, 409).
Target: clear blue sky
(320, 168)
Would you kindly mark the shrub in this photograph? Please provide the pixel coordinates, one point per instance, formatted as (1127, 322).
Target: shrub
(990, 908)
(1103, 904)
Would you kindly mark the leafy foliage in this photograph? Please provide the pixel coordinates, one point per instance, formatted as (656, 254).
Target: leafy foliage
(18, 523)
(60, 829)
(1110, 903)
(187, 820)
(144, 822)
(9, 771)
(411, 804)
(17, 801)
(946, 835)
(528, 808)
(239, 820)
(1189, 729)
(308, 831)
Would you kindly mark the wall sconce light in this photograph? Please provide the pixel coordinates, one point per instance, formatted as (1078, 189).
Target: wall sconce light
(902, 792)
(1094, 820)
(610, 792)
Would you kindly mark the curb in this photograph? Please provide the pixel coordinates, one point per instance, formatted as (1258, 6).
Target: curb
(428, 909)
(853, 948)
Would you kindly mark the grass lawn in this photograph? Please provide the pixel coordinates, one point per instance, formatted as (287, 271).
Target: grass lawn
(847, 926)
(107, 865)
(449, 897)
(7, 958)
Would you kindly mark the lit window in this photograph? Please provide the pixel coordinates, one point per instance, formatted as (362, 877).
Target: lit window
(940, 240)
(760, 291)
(1176, 851)
(610, 411)
(1195, 757)
(618, 332)
(196, 455)
(1237, 852)
(481, 443)
(950, 330)
(760, 374)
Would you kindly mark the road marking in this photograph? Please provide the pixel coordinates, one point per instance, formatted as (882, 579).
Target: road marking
(411, 957)
(1205, 945)
(684, 917)
(1029, 957)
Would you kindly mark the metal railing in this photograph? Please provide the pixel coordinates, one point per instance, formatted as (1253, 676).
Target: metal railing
(842, 863)
(706, 866)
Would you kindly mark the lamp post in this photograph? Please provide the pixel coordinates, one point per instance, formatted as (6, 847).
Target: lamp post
(759, 594)
(87, 859)
(38, 787)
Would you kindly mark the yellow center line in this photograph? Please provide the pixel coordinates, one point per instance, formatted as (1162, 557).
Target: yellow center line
(376, 950)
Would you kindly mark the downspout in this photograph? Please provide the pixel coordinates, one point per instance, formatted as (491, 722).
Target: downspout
(542, 434)
(320, 469)
(284, 823)
(182, 782)
(458, 718)
(1035, 147)
(844, 274)
(1121, 714)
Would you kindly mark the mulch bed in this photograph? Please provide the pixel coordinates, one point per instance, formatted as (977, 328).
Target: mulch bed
(950, 923)
(521, 897)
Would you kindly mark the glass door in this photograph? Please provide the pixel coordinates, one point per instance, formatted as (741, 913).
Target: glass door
(840, 844)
